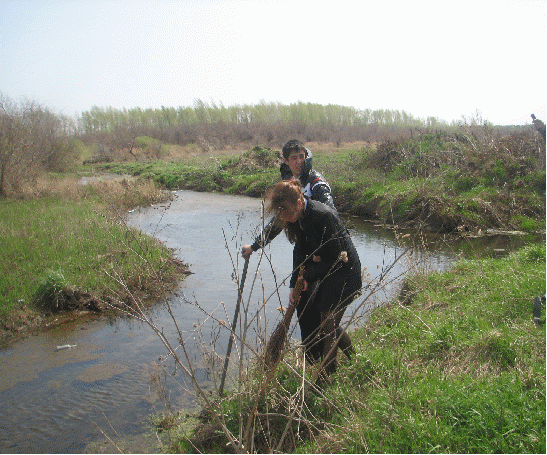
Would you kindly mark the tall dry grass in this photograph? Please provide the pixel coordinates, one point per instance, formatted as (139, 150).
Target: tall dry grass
(120, 192)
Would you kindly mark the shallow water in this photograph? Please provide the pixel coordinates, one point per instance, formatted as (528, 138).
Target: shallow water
(66, 401)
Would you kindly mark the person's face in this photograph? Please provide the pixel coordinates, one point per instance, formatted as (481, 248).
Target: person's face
(291, 212)
(295, 161)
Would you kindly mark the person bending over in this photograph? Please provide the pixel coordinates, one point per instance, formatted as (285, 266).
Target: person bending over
(332, 269)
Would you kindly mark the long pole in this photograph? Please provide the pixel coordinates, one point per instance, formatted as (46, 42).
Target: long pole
(232, 335)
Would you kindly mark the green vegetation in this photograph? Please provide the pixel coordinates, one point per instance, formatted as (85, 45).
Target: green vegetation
(58, 249)
(447, 182)
(51, 291)
(456, 365)
(250, 173)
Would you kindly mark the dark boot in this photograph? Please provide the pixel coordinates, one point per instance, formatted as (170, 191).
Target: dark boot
(345, 343)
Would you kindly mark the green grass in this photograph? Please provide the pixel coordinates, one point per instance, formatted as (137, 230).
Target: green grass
(462, 369)
(51, 290)
(458, 369)
(231, 175)
(434, 179)
(50, 244)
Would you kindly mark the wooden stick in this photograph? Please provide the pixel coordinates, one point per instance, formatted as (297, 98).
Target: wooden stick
(232, 335)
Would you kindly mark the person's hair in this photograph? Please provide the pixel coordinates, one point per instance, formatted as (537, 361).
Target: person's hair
(293, 146)
(285, 191)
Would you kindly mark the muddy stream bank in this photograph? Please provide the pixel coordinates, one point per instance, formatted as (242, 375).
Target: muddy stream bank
(66, 401)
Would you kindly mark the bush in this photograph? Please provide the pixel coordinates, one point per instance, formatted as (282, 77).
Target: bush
(32, 140)
(464, 184)
(52, 291)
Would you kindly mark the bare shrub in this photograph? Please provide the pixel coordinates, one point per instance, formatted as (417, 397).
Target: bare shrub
(32, 140)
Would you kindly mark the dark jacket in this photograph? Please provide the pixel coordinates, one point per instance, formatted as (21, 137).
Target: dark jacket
(314, 186)
(323, 234)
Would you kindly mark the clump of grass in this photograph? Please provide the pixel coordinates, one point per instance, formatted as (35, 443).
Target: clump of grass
(52, 290)
(526, 224)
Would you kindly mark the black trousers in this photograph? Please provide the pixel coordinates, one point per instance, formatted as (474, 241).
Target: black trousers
(319, 332)
(309, 320)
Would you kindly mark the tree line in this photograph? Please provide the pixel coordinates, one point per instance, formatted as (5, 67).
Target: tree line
(33, 139)
(311, 114)
(266, 123)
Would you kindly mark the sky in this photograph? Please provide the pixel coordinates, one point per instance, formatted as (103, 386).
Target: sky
(448, 59)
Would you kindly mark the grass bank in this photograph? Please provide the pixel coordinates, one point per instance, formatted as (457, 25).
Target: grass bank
(455, 365)
(61, 243)
(249, 173)
(466, 183)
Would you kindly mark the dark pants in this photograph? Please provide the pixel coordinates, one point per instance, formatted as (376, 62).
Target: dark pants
(309, 319)
(333, 337)
(320, 330)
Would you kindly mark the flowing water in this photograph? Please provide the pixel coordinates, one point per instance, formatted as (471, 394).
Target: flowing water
(106, 385)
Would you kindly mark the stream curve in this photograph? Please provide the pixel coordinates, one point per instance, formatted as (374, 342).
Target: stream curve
(71, 400)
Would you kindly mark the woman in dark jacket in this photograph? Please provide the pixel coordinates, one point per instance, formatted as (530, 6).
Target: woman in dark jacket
(332, 269)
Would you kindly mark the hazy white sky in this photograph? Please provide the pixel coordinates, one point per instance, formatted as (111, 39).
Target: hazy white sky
(428, 57)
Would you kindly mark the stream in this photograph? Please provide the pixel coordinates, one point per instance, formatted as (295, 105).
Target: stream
(116, 375)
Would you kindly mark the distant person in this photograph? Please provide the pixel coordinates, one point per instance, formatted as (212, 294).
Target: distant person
(297, 162)
(332, 270)
(539, 126)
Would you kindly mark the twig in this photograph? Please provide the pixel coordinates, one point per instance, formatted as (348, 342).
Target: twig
(109, 440)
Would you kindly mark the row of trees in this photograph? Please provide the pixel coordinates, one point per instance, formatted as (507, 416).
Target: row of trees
(212, 125)
(310, 114)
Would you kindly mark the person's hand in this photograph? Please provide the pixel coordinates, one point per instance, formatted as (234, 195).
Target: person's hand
(292, 300)
(246, 251)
